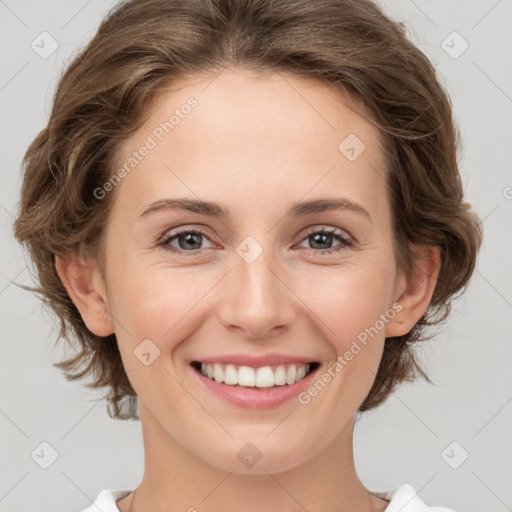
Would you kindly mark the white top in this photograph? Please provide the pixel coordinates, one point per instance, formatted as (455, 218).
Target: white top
(402, 499)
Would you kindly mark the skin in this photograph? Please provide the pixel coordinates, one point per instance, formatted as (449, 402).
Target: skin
(254, 144)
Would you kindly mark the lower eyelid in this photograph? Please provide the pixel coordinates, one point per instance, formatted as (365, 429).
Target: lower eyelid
(166, 239)
(344, 241)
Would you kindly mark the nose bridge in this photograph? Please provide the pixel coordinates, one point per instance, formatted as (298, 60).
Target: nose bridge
(257, 300)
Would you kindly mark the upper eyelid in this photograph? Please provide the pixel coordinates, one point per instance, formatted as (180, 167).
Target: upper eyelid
(323, 227)
(182, 229)
(304, 233)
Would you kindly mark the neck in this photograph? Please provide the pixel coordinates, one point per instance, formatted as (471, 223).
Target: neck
(175, 479)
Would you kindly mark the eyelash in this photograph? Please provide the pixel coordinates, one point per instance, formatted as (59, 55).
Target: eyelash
(344, 241)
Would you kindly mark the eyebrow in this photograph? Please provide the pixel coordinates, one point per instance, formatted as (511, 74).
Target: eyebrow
(211, 209)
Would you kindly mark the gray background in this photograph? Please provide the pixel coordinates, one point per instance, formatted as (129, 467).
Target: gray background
(470, 359)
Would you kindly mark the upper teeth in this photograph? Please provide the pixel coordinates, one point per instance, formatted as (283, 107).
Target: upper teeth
(263, 377)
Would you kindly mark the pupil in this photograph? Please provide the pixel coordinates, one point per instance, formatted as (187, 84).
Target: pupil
(323, 237)
(189, 239)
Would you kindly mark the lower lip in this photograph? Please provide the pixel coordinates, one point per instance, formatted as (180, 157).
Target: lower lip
(256, 398)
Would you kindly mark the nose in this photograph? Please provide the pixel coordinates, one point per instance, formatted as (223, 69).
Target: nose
(257, 300)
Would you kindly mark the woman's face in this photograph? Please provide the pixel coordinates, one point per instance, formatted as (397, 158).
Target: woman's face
(260, 282)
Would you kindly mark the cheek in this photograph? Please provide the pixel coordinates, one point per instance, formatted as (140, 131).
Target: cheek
(347, 305)
(349, 319)
(348, 300)
(159, 303)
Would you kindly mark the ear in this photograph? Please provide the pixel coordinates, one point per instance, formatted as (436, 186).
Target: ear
(414, 292)
(85, 286)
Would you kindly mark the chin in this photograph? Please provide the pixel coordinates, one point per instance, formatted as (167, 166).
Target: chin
(257, 457)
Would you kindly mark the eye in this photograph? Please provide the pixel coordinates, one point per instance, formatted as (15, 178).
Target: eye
(322, 240)
(188, 241)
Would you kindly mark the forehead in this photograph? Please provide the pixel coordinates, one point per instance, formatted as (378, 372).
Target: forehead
(238, 103)
(254, 133)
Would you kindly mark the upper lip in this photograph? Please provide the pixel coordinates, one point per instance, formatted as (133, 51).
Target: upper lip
(255, 360)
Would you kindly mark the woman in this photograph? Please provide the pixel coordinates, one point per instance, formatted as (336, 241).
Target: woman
(247, 213)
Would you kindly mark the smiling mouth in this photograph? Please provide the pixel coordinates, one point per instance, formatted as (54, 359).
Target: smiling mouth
(264, 377)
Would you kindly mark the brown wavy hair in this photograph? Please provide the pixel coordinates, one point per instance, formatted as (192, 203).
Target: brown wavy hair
(141, 46)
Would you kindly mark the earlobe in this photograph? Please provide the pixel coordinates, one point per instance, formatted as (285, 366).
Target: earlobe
(417, 292)
(84, 284)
